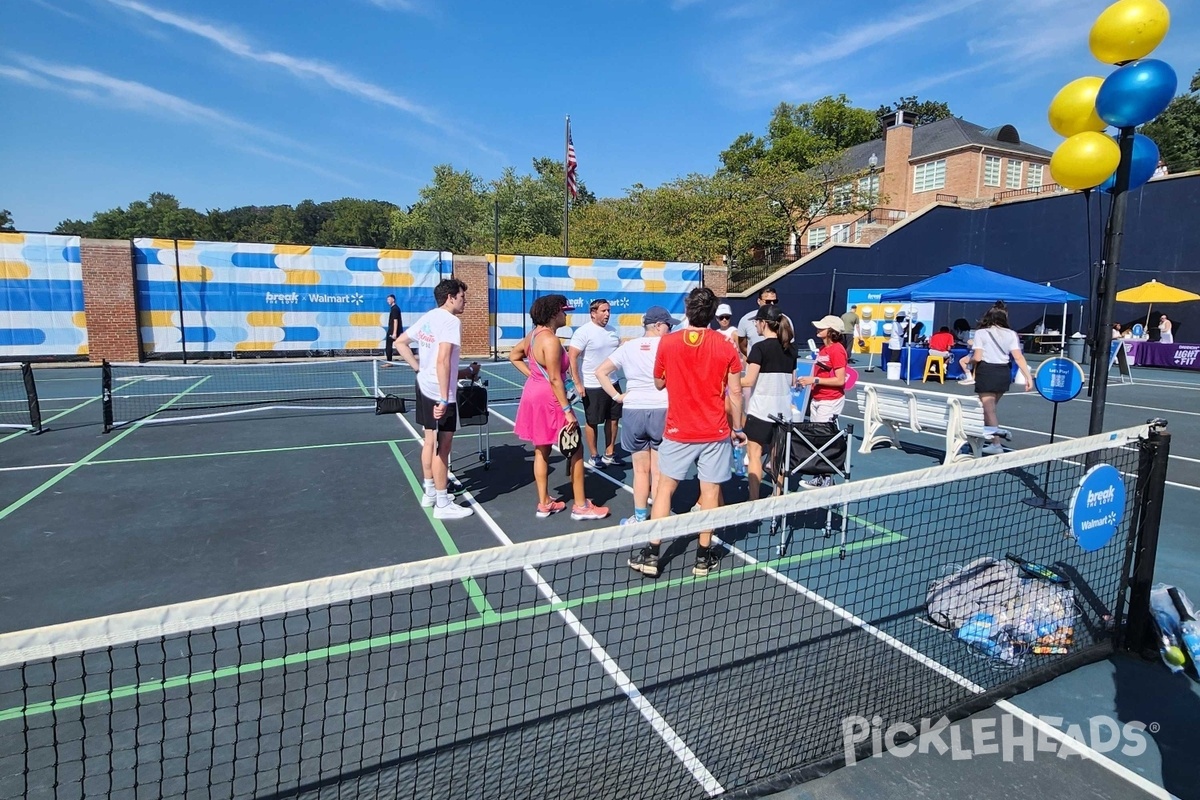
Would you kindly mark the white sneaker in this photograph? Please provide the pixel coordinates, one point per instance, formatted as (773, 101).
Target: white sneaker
(966, 381)
(428, 500)
(992, 449)
(1004, 433)
(452, 511)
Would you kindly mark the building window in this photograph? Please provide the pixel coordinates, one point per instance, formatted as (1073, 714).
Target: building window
(1012, 177)
(843, 196)
(868, 189)
(816, 237)
(1035, 174)
(930, 176)
(991, 171)
(839, 233)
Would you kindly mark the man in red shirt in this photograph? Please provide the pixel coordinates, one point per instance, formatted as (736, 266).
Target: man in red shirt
(699, 368)
(941, 342)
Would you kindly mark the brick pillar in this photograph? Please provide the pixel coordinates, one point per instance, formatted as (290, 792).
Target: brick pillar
(716, 277)
(476, 318)
(869, 234)
(110, 300)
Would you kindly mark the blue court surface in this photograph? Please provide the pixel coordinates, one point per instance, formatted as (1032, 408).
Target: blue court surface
(153, 514)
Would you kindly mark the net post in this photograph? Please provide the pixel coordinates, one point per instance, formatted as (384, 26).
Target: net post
(31, 395)
(1153, 454)
(106, 394)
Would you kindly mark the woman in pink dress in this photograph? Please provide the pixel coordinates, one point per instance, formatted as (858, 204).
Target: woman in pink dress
(545, 408)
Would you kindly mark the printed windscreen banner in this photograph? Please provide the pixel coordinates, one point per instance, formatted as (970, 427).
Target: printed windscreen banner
(274, 297)
(630, 287)
(875, 318)
(41, 296)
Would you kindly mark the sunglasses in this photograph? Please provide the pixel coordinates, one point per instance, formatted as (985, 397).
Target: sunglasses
(724, 316)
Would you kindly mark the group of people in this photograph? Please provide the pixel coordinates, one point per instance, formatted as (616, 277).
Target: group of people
(690, 395)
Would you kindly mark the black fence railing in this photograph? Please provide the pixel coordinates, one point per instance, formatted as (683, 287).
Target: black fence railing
(1045, 188)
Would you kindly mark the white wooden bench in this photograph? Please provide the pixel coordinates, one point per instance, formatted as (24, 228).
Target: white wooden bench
(887, 409)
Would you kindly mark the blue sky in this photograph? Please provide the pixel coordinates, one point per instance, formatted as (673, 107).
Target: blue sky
(260, 102)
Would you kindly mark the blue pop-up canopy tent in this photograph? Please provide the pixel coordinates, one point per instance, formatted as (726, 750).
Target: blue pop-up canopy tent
(971, 283)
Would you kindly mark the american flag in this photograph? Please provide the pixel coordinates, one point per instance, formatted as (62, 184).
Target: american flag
(572, 186)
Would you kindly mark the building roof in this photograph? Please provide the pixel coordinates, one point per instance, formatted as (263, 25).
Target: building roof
(945, 134)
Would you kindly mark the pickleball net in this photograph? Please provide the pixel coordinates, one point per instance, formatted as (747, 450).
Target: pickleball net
(167, 391)
(19, 406)
(549, 669)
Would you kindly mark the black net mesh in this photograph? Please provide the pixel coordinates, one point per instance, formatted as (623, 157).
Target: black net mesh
(553, 670)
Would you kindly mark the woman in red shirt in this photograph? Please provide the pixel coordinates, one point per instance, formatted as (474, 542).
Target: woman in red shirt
(829, 372)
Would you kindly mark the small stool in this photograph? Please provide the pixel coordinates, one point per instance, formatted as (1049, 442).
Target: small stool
(935, 367)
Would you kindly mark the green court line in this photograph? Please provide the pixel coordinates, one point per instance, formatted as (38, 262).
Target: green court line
(478, 598)
(11, 507)
(238, 452)
(67, 411)
(443, 629)
(51, 419)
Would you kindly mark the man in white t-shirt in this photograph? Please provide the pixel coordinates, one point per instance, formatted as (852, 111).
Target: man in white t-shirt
(644, 405)
(438, 334)
(591, 343)
(748, 334)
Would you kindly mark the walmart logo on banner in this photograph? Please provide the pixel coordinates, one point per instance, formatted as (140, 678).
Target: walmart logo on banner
(313, 298)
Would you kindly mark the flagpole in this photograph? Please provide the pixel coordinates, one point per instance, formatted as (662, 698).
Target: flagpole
(566, 186)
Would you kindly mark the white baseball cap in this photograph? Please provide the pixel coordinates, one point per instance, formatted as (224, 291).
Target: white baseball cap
(724, 310)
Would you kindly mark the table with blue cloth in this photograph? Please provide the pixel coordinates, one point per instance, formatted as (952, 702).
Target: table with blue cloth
(918, 356)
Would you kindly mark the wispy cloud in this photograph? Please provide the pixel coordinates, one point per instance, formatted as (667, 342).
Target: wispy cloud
(108, 90)
(398, 5)
(304, 68)
(873, 34)
(57, 10)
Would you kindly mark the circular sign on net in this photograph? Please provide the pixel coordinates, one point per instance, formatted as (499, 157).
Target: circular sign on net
(1058, 379)
(1097, 507)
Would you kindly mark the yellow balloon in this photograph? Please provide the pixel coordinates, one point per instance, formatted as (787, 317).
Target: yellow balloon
(1085, 160)
(1073, 109)
(1129, 30)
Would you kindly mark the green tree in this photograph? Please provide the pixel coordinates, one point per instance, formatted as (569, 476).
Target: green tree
(802, 198)
(804, 135)
(6, 221)
(356, 223)
(1176, 130)
(450, 215)
(923, 111)
(160, 216)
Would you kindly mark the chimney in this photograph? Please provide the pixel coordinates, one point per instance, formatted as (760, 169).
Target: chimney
(897, 148)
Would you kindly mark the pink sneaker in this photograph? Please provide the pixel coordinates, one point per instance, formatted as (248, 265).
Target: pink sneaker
(588, 511)
(553, 507)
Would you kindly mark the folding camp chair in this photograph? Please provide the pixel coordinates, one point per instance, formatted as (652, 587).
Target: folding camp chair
(802, 449)
(472, 400)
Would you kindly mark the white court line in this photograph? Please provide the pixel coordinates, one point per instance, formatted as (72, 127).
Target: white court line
(659, 723)
(1007, 706)
(34, 466)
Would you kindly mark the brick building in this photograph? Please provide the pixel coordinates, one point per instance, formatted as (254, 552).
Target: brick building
(911, 167)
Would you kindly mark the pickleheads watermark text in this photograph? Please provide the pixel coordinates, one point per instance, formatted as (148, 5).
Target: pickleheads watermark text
(1005, 736)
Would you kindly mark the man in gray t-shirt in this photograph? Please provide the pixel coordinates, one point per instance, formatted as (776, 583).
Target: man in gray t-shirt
(748, 334)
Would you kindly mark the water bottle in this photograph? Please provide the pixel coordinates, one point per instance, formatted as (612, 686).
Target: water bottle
(738, 465)
(978, 632)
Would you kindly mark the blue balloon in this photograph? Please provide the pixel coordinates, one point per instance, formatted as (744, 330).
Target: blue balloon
(1136, 93)
(1141, 168)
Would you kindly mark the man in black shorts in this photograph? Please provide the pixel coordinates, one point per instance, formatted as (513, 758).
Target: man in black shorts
(591, 344)
(438, 334)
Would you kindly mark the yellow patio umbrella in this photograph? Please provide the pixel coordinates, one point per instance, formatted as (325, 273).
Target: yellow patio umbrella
(1154, 292)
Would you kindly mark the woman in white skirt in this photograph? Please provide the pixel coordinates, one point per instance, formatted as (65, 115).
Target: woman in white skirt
(1165, 334)
(995, 344)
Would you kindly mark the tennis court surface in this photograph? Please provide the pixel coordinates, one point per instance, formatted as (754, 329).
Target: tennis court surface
(171, 631)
